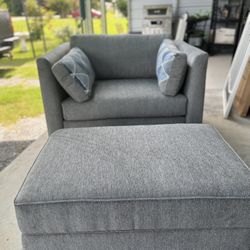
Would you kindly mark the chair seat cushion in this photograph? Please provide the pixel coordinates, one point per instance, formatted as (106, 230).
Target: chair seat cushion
(130, 98)
(135, 178)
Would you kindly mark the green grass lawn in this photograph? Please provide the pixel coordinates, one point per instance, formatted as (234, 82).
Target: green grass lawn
(18, 102)
(21, 101)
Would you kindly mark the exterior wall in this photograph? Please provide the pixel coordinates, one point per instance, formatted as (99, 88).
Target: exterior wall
(179, 8)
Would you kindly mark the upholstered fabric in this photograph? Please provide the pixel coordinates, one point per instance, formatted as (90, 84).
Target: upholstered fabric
(76, 75)
(135, 178)
(128, 98)
(210, 239)
(194, 85)
(125, 122)
(170, 68)
(52, 92)
(122, 56)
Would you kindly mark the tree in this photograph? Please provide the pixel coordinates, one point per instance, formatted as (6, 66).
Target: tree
(32, 8)
(14, 6)
(122, 7)
(61, 7)
(95, 4)
(3, 5)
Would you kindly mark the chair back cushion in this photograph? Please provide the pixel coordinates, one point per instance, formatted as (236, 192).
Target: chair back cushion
(120, 56)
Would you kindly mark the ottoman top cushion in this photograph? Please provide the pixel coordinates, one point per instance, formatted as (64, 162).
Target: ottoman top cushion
(137, 177)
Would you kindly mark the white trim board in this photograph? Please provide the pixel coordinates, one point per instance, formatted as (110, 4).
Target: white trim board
(236, 70)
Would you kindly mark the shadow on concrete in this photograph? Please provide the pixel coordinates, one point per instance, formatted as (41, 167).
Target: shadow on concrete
(9, 150)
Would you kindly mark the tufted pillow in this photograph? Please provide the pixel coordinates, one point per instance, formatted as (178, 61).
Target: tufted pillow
(75, 74)
(171, 68)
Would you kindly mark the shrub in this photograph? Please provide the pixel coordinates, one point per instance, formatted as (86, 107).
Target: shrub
(3, 5)
(33, 10)
(122, 7)
(61, 7)
(14, 6)
(64, 33)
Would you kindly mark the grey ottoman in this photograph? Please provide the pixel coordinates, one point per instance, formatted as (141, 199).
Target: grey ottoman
(143, 187)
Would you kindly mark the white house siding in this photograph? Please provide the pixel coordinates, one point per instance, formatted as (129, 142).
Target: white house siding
(179, 8)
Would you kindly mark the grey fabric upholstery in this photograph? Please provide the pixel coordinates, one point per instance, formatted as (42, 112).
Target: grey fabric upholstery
(75, 74)
(133, 178)
(170, 68)
(194, 86)
(53, 94)
(122, 56)
(126, 98)
(213, 239)
(138, 55)
(125, 122)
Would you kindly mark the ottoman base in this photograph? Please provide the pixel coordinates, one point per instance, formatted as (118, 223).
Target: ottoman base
(223, 239)
(164, 187)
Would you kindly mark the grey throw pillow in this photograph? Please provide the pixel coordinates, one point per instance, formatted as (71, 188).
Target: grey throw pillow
(171, 68)
(75, 74)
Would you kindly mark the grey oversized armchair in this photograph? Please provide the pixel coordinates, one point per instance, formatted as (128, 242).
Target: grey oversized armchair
(126, 90)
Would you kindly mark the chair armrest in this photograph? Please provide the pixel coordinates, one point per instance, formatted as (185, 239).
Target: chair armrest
(52, 93)
(194, 86)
